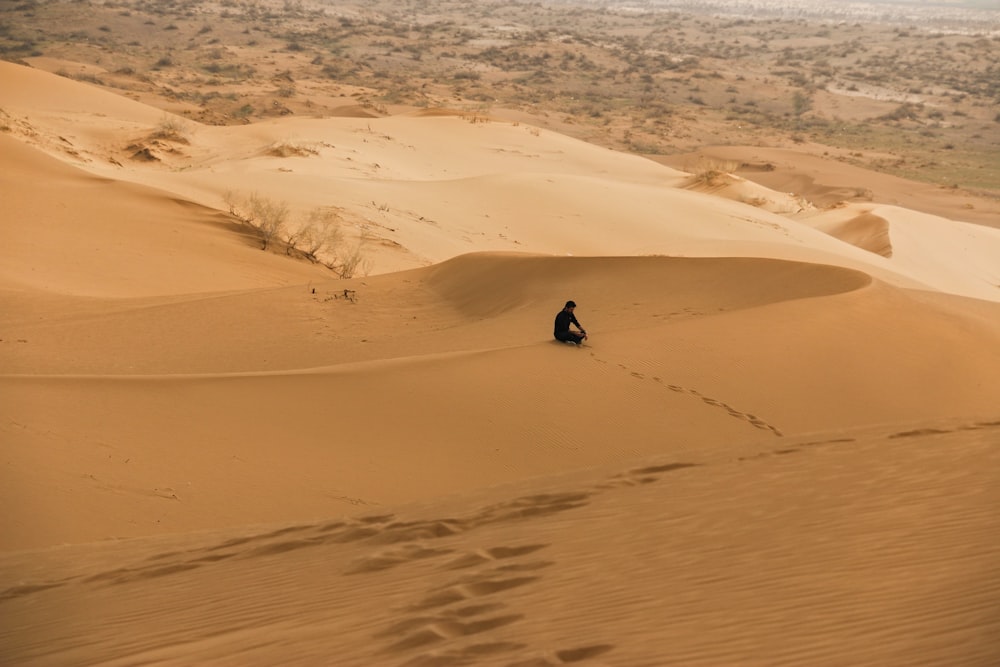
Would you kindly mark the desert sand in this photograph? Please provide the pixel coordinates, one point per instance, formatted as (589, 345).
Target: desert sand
(779, 445)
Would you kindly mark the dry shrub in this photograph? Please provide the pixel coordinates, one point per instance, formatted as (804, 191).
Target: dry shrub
(708, 172)
(265, 215)
(268, 216)
(319, 234)
(170, 128)
(352, 262)
(290, 149)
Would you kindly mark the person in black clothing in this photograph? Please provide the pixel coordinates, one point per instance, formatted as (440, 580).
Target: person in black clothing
(564, 318)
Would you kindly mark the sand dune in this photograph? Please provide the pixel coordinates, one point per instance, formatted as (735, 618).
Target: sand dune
(960, 256)
(742, 190)
(421, 189)
(777, 447)
(429, 364)
(69, 232)
(826, 179)
(866, 548)
(864, 230)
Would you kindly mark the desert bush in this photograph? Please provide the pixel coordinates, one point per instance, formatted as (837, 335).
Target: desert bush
(234, 70)
(233, 203)
(266, 216)
(905, 111)
(708, 172)
(290, 149)
(318, 235)
(352, 262)
(87, 77)
(801, 103)
(170, 128)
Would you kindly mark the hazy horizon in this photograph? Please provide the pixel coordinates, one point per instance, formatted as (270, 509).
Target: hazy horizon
(965, 12)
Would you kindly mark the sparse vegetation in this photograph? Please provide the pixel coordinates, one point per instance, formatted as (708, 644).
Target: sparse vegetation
(267, 216)
(353, 262)
(711, 172)
(656, 81)
(290, 148)
(170, 128)
(801, 103)
(318, 237)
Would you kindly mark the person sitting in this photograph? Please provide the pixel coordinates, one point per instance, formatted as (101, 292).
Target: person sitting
(564, 318)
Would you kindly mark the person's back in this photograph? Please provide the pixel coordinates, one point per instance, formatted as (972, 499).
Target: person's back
(564, 318)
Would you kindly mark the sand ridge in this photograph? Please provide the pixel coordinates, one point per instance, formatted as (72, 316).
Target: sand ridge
(416, 190)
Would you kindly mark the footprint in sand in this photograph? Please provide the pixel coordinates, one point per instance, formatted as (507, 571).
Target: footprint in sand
(646, 475)
(470, 590)
(438, 629)
(754, 421)
(468, 606)
(386, 560)
(564, 657)
(917, 433)
(481, 557)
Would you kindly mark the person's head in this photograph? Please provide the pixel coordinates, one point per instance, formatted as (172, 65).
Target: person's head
(570, 305)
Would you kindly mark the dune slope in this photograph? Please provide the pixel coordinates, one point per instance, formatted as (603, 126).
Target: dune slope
(885, 555)
(452, 370)
(69, 232)
(413, 190)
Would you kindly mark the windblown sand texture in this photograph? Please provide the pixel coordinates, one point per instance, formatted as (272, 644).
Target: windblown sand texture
(781, 445)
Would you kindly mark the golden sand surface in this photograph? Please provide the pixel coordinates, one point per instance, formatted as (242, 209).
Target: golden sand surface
(779, 445)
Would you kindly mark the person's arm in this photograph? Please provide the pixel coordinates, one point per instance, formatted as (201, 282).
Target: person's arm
(578, 325)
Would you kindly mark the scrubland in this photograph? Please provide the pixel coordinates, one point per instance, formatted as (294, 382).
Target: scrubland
(912, 93)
